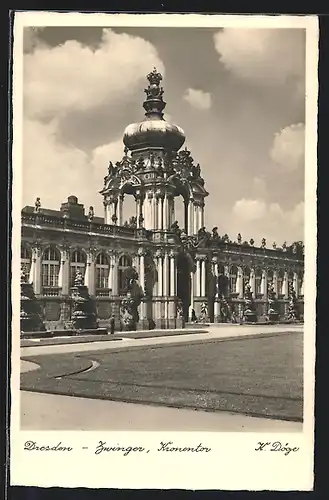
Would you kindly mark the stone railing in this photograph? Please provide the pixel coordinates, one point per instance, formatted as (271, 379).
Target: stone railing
(40, 220)
(51, 291)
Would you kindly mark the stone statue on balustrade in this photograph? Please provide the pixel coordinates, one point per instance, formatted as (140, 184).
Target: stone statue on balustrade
(272, 313)
(292, 314)
(249, 310)
(37, 205)
(175, 228)
(30, 310)
(132, 222)
(204, 316)
(91, 213)
(215, 235)
(83, 315)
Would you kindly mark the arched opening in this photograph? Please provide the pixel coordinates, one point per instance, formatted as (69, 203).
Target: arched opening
(184, 283)
(246, 277)
(77, 263)
(233, 278)
(102, 274)
(50, 266)
(280, 282)
(180, 214)
(125, 261)
(270, 278)
(258, 281)
(223, 282)
(26, 258)
(129, 209)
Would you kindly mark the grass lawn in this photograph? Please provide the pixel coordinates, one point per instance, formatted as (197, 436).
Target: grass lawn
(257, 376)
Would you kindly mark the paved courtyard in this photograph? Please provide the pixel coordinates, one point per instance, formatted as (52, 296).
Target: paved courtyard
(282, 389)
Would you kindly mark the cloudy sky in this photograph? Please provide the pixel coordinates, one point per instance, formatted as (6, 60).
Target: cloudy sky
(237, 94)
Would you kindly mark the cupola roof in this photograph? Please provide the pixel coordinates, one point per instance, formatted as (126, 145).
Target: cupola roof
(154, 131)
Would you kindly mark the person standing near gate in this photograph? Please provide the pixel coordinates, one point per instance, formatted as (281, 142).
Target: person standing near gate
(112, 324)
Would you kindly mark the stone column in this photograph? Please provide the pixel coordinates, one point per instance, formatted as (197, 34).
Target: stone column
(35, 271)
(193, 277)
(239, 283)
(111, 272)
(155, 289)
(227, 275)
(302, 285)
(64, 272)
(165, 213)
(198, 278)
(90, 274)
(166, 283)
(203, 278)
(275, 282)
(172, 288)
(140, 202)
(202, 215)
(252, 282)
(264, 284)
(190, 222)
(215, 271)
(296, 284)
(195, 219)
(115, 263)
(120, 214)
(142, 315)
(285, 290)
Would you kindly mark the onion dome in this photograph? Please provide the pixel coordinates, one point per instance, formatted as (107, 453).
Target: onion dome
(154, 131)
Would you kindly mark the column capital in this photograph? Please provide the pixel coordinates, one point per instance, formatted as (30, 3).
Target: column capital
(159, 253)
(173, 253)
(141, 252)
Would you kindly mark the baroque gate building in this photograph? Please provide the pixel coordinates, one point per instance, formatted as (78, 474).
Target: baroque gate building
(179, 269)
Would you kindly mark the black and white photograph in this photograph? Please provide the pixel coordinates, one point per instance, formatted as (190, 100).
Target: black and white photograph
(165, 180)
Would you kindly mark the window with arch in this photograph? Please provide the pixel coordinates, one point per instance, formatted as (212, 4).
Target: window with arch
(102, 271)
(51, 261)
(246, 276)
(233, 279)
(26, 257)
(270, 275)
(125, 261)
(280, 281)
(258, 281)
(77, 263)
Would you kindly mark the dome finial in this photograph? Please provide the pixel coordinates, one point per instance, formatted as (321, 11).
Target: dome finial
(154, 103)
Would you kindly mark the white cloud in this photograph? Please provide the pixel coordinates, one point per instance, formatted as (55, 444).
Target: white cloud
(262, 55)
(102, 155)
(249, 210)
(52, 170)
(255, 218)
(73, 76)
(197, 98)
(288, 147)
